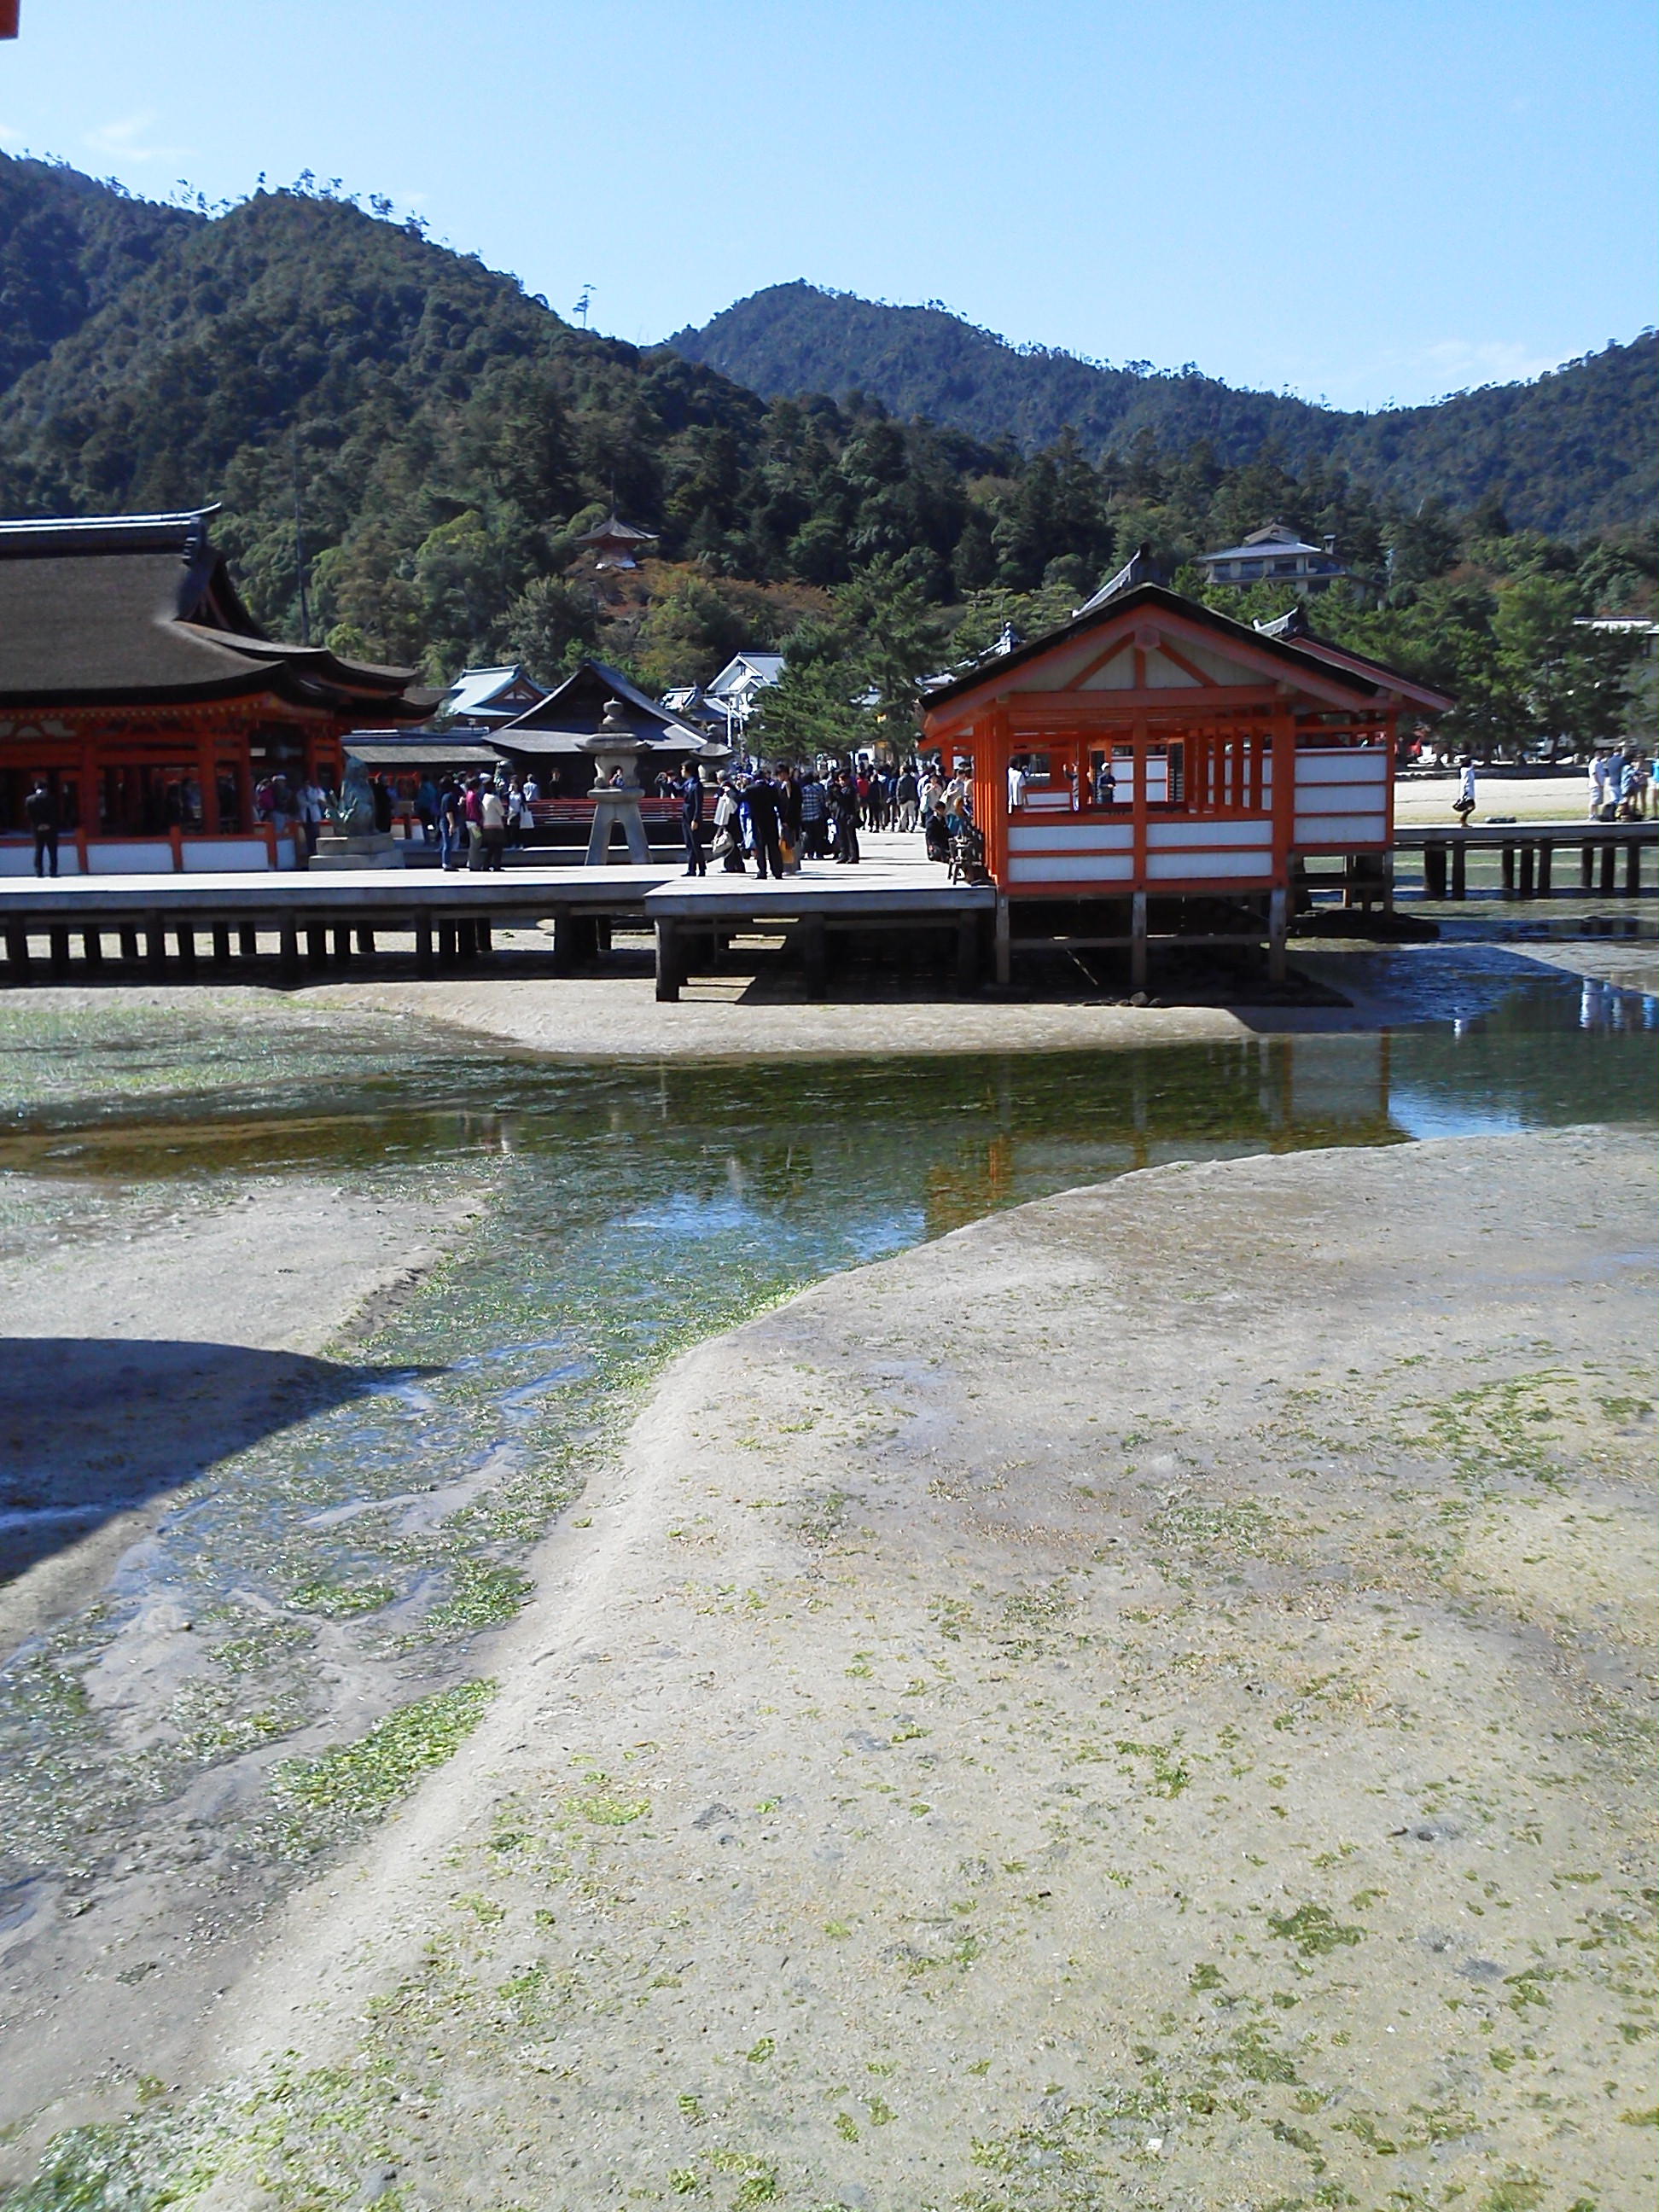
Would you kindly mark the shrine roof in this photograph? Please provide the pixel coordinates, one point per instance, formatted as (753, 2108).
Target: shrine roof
(142, 608)
(575, 705)
(1148, 598)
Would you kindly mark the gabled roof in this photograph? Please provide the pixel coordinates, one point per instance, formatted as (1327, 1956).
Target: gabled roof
(479, 693)
(1294, 626)
(141, 609)
(574, 708)
(1335, 684)
(1262, 544)
(763, 667)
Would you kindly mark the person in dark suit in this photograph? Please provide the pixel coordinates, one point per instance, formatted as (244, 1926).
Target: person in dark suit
(761, 797)
(40, 812)
(692, 820)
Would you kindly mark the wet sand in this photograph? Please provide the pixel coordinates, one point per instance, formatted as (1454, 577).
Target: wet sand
(144, 1341)
(1144, 1699)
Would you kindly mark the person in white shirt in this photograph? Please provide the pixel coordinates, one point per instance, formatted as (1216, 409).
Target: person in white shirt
(492, 815)
(312, 803)
(1015, 784)
(1463, 804)
(1597, 795)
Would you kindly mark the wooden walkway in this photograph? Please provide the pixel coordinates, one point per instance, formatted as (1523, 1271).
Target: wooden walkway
(1527, 852)
(157, 925)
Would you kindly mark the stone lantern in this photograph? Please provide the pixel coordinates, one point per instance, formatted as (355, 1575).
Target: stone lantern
(616, 753)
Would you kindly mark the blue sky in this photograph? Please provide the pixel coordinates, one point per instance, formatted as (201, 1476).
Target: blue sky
(1362, 200)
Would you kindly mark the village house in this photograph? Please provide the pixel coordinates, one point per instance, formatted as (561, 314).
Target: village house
(484, 696)
(1275, 555)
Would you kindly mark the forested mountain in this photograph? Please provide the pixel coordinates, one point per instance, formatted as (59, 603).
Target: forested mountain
(67, 246)
(1576, 451)
(449, 438)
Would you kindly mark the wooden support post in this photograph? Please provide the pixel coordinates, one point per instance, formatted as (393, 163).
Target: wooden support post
(602, 934)
(445, 944)
(1388, 881)
(668, 960)
(1545, 857)
(1460, 870)
(247, 942)
(1434, 871)
(815, 952)
(481, 937)
(128, 943)
(561, 919)
(1609, 855)
(222, 948)
(341, 944)
(366, 943)
(1278, 918)
(92, 947)
(467, 941)
(1004, 950)
(1587, 867)
(1509, 870)
(968, 950)
(425, 964)
(1138, 941)
(1632, 869)
(58, 942)
(317, 945)
(288, 952)
(1529, 861)
(155, 945)
(17, 949)
(188, 951)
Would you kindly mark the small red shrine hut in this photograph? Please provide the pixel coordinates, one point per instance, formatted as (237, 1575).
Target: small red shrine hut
(1152, 749)
(133, 679)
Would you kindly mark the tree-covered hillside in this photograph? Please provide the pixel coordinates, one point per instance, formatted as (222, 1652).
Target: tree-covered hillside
(67, 245)
(450, 439)
(1574, 452)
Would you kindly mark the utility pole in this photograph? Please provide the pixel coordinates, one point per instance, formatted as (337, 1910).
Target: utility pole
(300, 548)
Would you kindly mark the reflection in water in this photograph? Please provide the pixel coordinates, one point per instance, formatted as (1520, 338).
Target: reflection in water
(630, 1209)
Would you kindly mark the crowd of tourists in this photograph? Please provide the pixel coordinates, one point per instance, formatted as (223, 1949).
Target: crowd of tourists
(472, 819)
(1619, 783)
(775, 817)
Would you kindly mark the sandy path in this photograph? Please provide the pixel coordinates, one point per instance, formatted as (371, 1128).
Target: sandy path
(617, 1017)
(1143, 1700)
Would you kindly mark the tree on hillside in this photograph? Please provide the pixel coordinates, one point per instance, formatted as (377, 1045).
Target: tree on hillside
(816, 706)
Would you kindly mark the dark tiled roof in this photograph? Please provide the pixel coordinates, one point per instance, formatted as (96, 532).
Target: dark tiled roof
(142, 608)
(576, 705)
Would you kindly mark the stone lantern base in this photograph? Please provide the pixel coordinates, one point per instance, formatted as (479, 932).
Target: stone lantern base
(373, 849)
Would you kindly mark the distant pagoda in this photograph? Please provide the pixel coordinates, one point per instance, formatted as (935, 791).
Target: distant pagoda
(615, 542)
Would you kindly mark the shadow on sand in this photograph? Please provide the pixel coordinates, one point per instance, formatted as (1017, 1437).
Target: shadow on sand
(91, 1427)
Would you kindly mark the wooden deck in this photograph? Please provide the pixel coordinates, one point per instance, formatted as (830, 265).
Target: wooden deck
(160, 924)
(1526, 852)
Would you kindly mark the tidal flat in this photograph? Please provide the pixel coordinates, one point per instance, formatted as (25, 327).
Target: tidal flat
(320, 1624)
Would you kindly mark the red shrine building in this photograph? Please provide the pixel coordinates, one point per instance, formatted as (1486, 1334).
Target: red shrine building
(137, 684)
(1151, 749)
